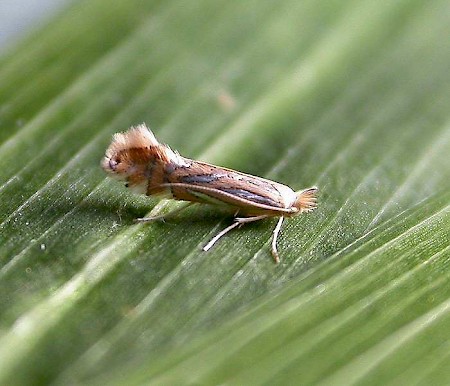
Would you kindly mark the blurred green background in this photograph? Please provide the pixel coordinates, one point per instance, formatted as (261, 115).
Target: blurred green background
(351, 96)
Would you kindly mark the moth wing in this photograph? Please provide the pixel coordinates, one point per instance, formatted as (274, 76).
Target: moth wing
(209, 195)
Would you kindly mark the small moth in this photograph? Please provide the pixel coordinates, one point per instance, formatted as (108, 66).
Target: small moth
(151, 168)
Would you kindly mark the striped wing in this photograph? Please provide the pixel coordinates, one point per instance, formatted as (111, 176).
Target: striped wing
(205, 183)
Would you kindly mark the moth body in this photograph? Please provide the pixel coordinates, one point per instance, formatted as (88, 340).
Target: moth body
(152, 168)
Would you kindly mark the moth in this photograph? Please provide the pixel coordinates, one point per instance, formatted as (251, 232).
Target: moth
(152, 168)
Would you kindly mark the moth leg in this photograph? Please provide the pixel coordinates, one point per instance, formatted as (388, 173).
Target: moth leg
(238, 222)
(244, 220)
(164, 215)
(208, 246)
(276, 231)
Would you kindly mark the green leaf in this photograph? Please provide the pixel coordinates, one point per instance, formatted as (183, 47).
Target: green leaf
(350, 96)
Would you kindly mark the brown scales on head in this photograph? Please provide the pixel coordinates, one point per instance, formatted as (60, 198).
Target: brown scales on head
(133, 154)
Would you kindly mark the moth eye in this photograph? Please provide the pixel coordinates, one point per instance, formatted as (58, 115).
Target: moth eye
(113, 163)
